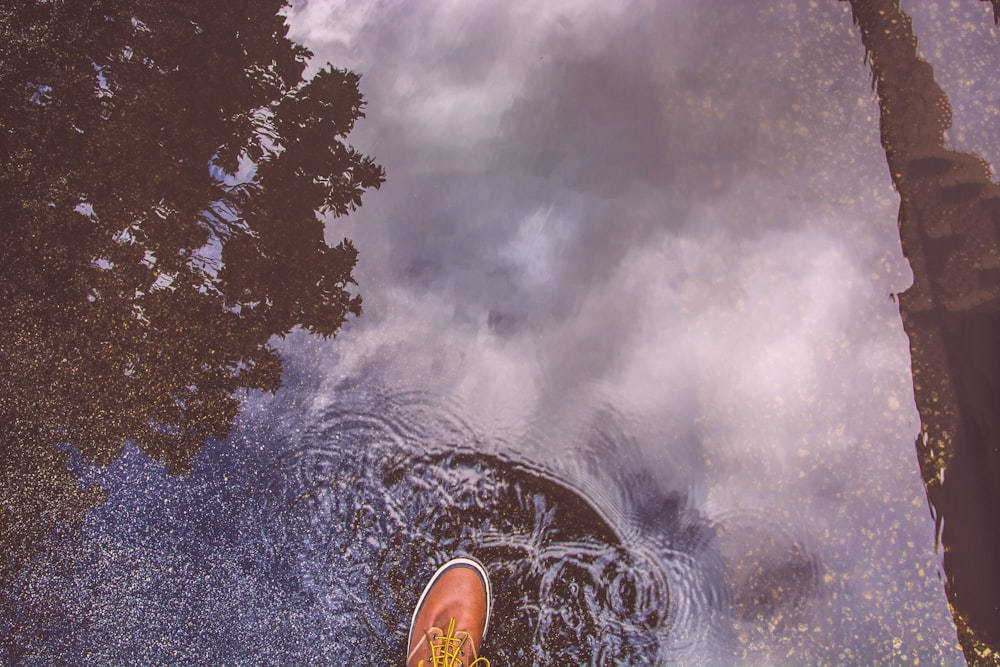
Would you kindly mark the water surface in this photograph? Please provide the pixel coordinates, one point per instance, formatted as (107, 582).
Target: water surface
(629, 337)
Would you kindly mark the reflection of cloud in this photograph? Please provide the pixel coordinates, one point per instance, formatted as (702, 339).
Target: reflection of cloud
(678, 209)
(534, 249)
(329, 24)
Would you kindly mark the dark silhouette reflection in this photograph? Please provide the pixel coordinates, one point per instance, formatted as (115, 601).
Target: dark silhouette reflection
(162, 168)
(948, 221)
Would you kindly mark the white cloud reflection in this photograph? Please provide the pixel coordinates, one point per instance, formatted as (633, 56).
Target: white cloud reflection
(679, 210)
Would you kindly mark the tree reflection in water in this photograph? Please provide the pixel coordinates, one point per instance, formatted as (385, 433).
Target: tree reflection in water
(165, 169)
(948, 219)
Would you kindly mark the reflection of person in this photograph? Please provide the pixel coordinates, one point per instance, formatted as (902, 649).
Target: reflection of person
(451, 617)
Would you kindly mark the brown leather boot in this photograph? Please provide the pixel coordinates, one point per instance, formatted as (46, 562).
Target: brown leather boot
(451, 617)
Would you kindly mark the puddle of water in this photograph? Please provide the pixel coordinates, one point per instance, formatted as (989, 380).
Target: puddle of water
(658, 386)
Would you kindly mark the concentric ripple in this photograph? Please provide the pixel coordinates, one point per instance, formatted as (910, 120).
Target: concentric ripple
(376, 493)
(772, 576)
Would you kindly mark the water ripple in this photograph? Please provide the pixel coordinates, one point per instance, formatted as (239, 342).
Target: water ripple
(772, 577)
(377, 492)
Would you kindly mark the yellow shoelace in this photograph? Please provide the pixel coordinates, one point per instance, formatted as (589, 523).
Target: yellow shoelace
(446, 650)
